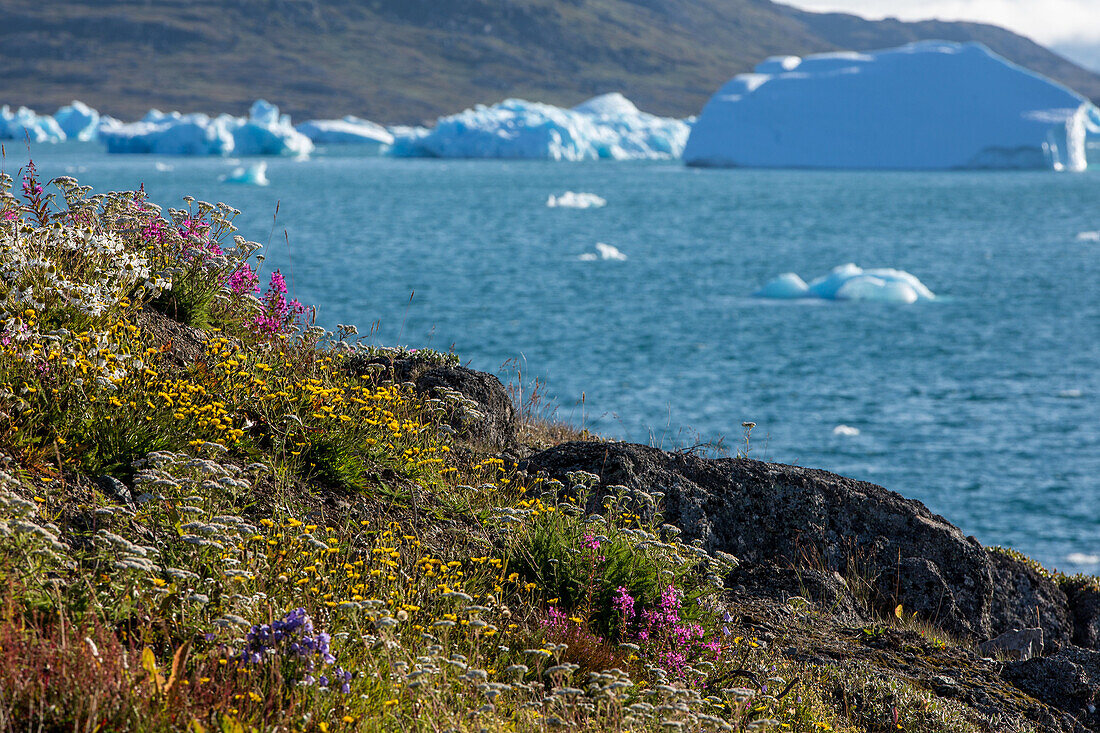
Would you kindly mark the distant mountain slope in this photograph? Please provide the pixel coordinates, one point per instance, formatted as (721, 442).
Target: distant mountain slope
(411, 60)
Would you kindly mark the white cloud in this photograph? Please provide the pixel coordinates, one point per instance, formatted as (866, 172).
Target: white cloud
(1046, 21)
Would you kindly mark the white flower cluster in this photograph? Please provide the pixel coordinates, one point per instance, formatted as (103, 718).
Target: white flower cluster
(21, 526)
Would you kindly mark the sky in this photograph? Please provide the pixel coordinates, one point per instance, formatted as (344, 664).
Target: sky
(1071, 27)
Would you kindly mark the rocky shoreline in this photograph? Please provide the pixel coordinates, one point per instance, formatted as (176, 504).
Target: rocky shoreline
(825, 559)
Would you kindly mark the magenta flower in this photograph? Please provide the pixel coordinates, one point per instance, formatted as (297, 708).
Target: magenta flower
(623, 603)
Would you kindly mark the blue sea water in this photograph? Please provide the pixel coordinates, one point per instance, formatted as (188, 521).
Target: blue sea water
(984, 404)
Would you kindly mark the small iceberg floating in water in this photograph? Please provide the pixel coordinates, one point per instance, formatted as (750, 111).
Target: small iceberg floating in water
(850, 282)
(787, 286)
(1088, 236)
(846, 430)
(571, 200)
(252, 175)
(603, 252)
(1081, 558)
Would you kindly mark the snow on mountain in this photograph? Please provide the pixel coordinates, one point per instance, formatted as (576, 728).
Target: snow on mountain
(926, 105)
(604, 127)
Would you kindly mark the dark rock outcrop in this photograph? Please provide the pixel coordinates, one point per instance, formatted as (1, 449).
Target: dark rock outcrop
(802, 517)
(1068, 680)
(826, 590)
(479, 408)
(1084, 603)
(1023, 597)
(491, 422)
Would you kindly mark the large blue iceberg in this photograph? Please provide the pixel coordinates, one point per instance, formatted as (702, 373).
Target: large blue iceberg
(926, 105)
(263, 132)
(606, 127)
(26, 124)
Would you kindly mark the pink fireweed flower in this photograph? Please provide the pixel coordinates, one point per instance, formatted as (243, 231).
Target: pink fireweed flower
(197, 232)
(244, 280)
(154, 231)
(31, 186)
(278, 282)
(623, 603)
(590, 542)
(277, 314)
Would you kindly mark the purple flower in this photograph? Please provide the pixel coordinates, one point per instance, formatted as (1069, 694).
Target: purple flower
(623, 603)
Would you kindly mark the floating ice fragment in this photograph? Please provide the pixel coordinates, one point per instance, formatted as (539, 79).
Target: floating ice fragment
(603, 252)
(1070, 394)
(571, 200)
(1088, 236)
(164, 167)
(350, 130)
(606, 105)
(869, 287)
(252, 175)
(607, 127)
(850, 282)
(406, 141)
(263, 132)
(78, 120)
(827, 286)
(786, 286)
(846, 430)
(1080, 558)
(925, 105)
(266, 132)
(26, 123)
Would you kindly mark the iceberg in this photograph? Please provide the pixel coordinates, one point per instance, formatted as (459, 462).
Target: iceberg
(850, 282)
(607, 105)
(786, 286)
(26, 123)
(266, 132)
(406, 140)
(78, 120)
(606, 127)
(168, 134)
(926, 105)
(571, 200)
(263, 132)
(252, 175)
(603, 252)
(350, 130)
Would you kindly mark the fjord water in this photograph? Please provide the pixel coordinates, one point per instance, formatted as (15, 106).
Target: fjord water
(984, 404)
